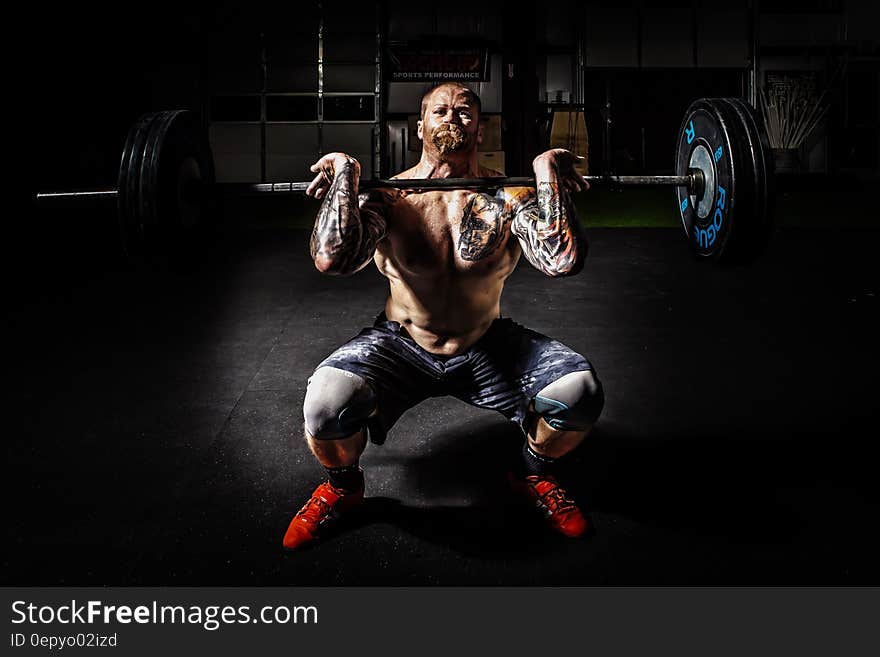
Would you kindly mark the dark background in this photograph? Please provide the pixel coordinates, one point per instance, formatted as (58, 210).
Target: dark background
(152, 413)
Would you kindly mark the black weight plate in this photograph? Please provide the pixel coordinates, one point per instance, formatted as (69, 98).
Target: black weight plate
(128, 207)
(176, 165)
(747, 241)
(151, 169)
(756, 233)
(744, 239)
(741, 246)
(706, 126)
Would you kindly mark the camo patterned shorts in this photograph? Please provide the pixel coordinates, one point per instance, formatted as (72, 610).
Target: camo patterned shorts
(502, 371)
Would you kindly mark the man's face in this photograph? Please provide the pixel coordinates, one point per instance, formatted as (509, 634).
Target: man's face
(451, 122)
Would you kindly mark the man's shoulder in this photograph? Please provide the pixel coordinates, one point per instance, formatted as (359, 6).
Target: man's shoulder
(518, 197)
(409, 173)
(378, 199)
(515, 197)
(486, 172)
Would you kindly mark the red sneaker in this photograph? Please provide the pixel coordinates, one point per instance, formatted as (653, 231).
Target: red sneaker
(323, 510)
(550, 498)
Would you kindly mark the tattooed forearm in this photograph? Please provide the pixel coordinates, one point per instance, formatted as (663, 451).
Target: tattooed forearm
(347, 228)
(551, 237)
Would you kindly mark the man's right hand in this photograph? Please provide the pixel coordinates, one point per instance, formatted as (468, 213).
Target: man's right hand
(326, 168)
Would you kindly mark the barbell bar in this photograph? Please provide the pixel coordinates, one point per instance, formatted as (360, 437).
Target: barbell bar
(691, 181)
(722, 180)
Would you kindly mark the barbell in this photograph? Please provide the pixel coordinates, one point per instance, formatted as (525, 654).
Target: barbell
(723, 181)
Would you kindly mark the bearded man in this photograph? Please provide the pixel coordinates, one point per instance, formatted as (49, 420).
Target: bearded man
(446, 255)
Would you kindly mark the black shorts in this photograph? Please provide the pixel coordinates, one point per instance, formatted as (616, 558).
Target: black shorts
(502, 371)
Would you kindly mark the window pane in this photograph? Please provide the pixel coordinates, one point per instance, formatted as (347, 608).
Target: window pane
(235, 108)
(349, 108)
(291, 108)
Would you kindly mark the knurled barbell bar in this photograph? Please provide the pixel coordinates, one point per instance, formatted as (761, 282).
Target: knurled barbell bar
(723, 181)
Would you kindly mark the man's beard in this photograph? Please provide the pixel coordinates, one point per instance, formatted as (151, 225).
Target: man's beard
(449, 139)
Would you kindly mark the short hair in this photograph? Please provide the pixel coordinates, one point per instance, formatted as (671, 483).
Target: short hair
(472, 95)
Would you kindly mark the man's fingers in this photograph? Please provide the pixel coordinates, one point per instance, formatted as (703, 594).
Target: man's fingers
(576, 183)
(310, 190)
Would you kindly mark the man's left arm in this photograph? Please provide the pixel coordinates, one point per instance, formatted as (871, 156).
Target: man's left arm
(551, 237)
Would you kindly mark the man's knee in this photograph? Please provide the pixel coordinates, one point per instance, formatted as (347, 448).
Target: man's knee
(337, 404)
(572, 402)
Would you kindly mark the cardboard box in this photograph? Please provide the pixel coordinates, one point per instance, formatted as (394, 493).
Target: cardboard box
(491, 132)
(414, 144)
(569, 131)
(492, 160)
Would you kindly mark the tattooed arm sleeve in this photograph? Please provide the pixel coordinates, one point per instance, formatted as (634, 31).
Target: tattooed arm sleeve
(550, 234)
(348, 228)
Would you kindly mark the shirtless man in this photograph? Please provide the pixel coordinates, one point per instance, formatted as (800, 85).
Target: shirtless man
(446, 255)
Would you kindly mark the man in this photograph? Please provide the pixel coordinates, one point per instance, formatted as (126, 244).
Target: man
(446, 255)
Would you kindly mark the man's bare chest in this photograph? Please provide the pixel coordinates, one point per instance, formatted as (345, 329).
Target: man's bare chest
(462, 230)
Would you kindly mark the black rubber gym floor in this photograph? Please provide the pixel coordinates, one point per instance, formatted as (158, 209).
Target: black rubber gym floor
(153, 425)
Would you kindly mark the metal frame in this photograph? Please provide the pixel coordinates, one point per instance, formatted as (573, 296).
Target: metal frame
(378, 94)
(319, 94)
(320, 79)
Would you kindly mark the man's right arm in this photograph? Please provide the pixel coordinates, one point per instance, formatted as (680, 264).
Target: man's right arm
(347, 228)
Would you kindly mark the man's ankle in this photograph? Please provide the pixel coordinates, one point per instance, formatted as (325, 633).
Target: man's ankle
(347, 478)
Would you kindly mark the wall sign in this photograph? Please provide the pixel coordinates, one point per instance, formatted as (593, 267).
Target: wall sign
(425, 62)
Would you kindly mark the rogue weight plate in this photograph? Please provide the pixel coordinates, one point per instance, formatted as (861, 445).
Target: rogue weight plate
(724, 138)
(704, 142)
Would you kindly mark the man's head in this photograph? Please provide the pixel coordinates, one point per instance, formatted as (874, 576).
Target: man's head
(450, 120)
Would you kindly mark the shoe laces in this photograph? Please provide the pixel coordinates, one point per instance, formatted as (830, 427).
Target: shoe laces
(315, 509)
(557, 500)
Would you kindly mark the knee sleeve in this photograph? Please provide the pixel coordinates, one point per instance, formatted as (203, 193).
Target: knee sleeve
(572, 402)
(337, 404)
